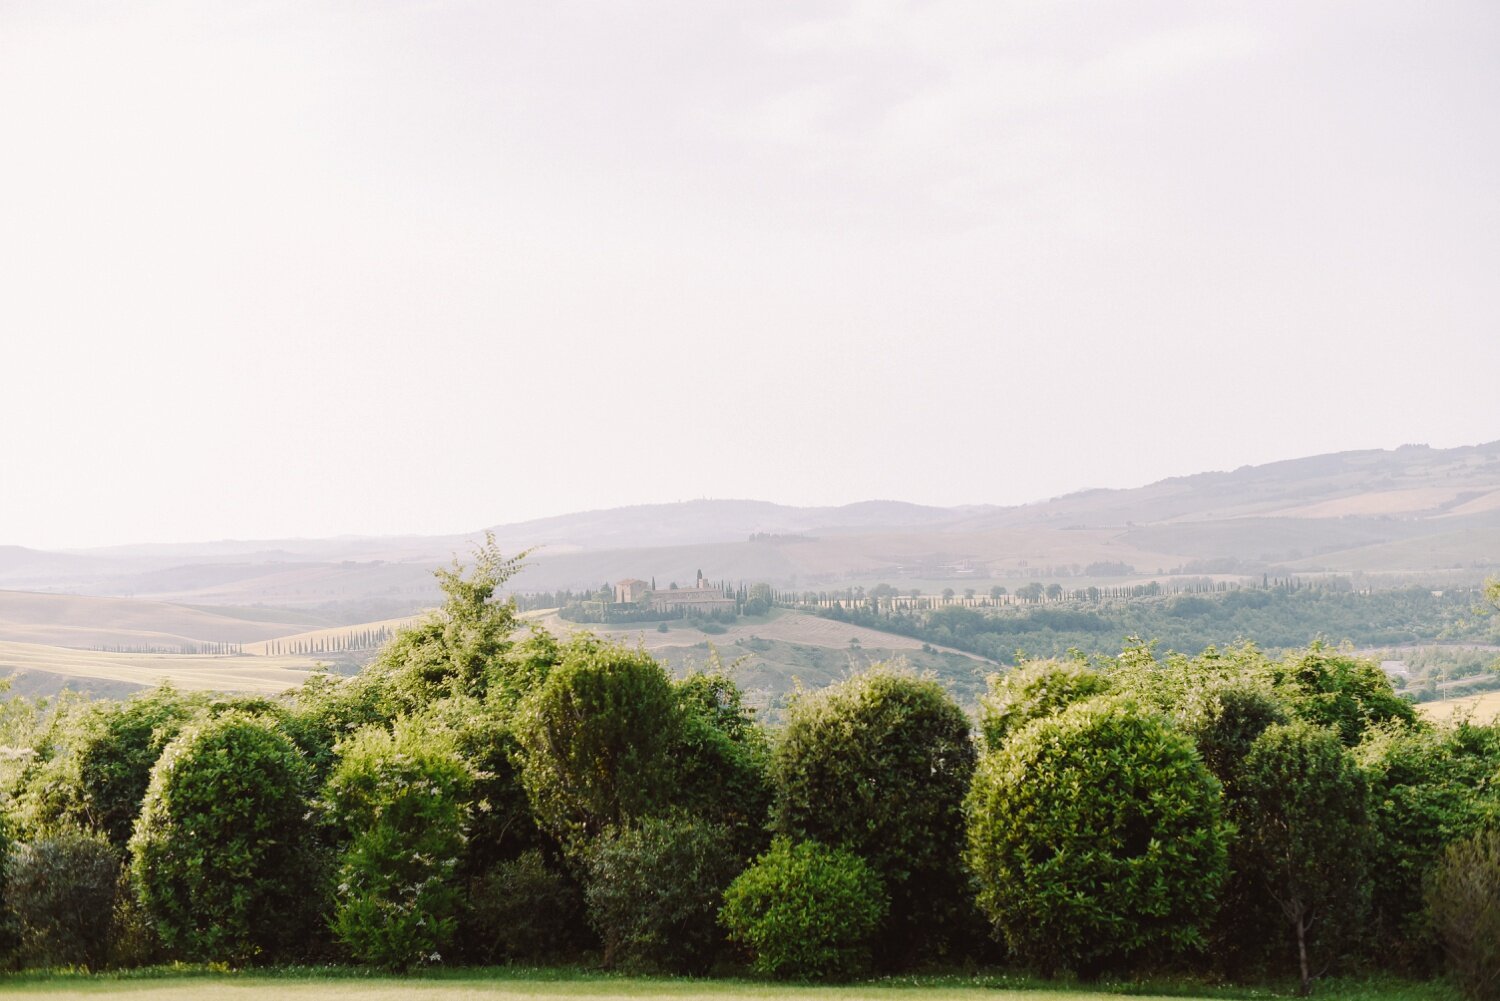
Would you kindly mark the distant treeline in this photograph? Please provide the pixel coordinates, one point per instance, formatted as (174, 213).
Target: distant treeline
(345, 642)
(1274, 618)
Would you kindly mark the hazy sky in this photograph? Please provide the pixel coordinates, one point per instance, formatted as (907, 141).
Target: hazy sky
(302, 268)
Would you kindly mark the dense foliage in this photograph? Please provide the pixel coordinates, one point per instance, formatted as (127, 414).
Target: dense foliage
(61, 891)
(805, 910)
(400, 798)
(653, 891)
(489, 792)
(220, 855)
(880, 765)
(1097, 839)
(1464, 898)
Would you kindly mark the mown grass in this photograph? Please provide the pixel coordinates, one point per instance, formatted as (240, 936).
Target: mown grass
(338, 983)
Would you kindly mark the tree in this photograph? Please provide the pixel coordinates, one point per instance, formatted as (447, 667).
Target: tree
(1464, 903)
(879, 764)
(1096, 839)
(453, 651)
(117, 752)
(722, 758)
(594, 741)
(220, 856)
(1303, 812)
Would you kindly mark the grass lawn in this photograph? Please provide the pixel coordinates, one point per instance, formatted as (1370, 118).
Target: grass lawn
(509, 984)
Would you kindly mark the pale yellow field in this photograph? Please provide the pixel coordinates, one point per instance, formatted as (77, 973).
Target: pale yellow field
(187, 671)
(1482, 708)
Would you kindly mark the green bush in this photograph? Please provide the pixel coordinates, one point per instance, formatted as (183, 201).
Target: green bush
(117, 753)
(1429, 788)
(1032, 691)
(880, 765)
(1338, 690)
(523, 909)
(1464, 902)
(61, 891)
(806, 911)
(1097, 840)
(401, 798)
(594, 741)
(722, 756)
(653, 891)
(220, 857)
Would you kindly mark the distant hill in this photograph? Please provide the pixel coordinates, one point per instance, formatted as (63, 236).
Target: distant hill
(1413, 510)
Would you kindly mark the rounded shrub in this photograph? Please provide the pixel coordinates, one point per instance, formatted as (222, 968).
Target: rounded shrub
(880, 764)
(804, 910)
(61, 892)
(1096, 839)
(595, 739)
(1032, 691)
(653, 890)
(401, 798)
(525, 910)
(117, 753)
(220, 856)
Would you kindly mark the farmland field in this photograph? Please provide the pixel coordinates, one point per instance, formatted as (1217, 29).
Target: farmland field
(1482, 708)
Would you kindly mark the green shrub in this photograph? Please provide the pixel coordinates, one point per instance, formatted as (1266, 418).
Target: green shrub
(803, 910)
(1097, 840)
(653, 891)
(1032, 691)
(1429, 788)
(220, 857)
(401, 797)
(117, 753)
(525, 910)
(721, 759)
(61, 890)
(1338, 690)
(594, 741)
(1464, 902)
(880, 765)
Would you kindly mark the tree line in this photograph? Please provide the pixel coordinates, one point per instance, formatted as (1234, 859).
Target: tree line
(479, 794)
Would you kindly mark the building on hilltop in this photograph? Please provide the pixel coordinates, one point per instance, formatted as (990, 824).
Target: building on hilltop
(631, 592)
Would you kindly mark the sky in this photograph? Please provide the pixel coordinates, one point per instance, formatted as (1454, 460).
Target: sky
(302, 269)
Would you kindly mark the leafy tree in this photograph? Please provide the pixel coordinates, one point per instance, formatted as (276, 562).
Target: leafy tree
(1097, 840)
(220, 855)
(400, 795)
(1303, 812)
(453, 651)
(594, 741)
(805, 910)
(1038, 689)
(654, 889)
(880, 764)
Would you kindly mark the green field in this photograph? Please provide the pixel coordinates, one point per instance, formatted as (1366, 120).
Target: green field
(345, 984)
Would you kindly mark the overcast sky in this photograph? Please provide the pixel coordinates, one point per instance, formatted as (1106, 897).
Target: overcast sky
(297, 269)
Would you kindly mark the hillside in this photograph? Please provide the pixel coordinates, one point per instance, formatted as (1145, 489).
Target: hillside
(1413, 513)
